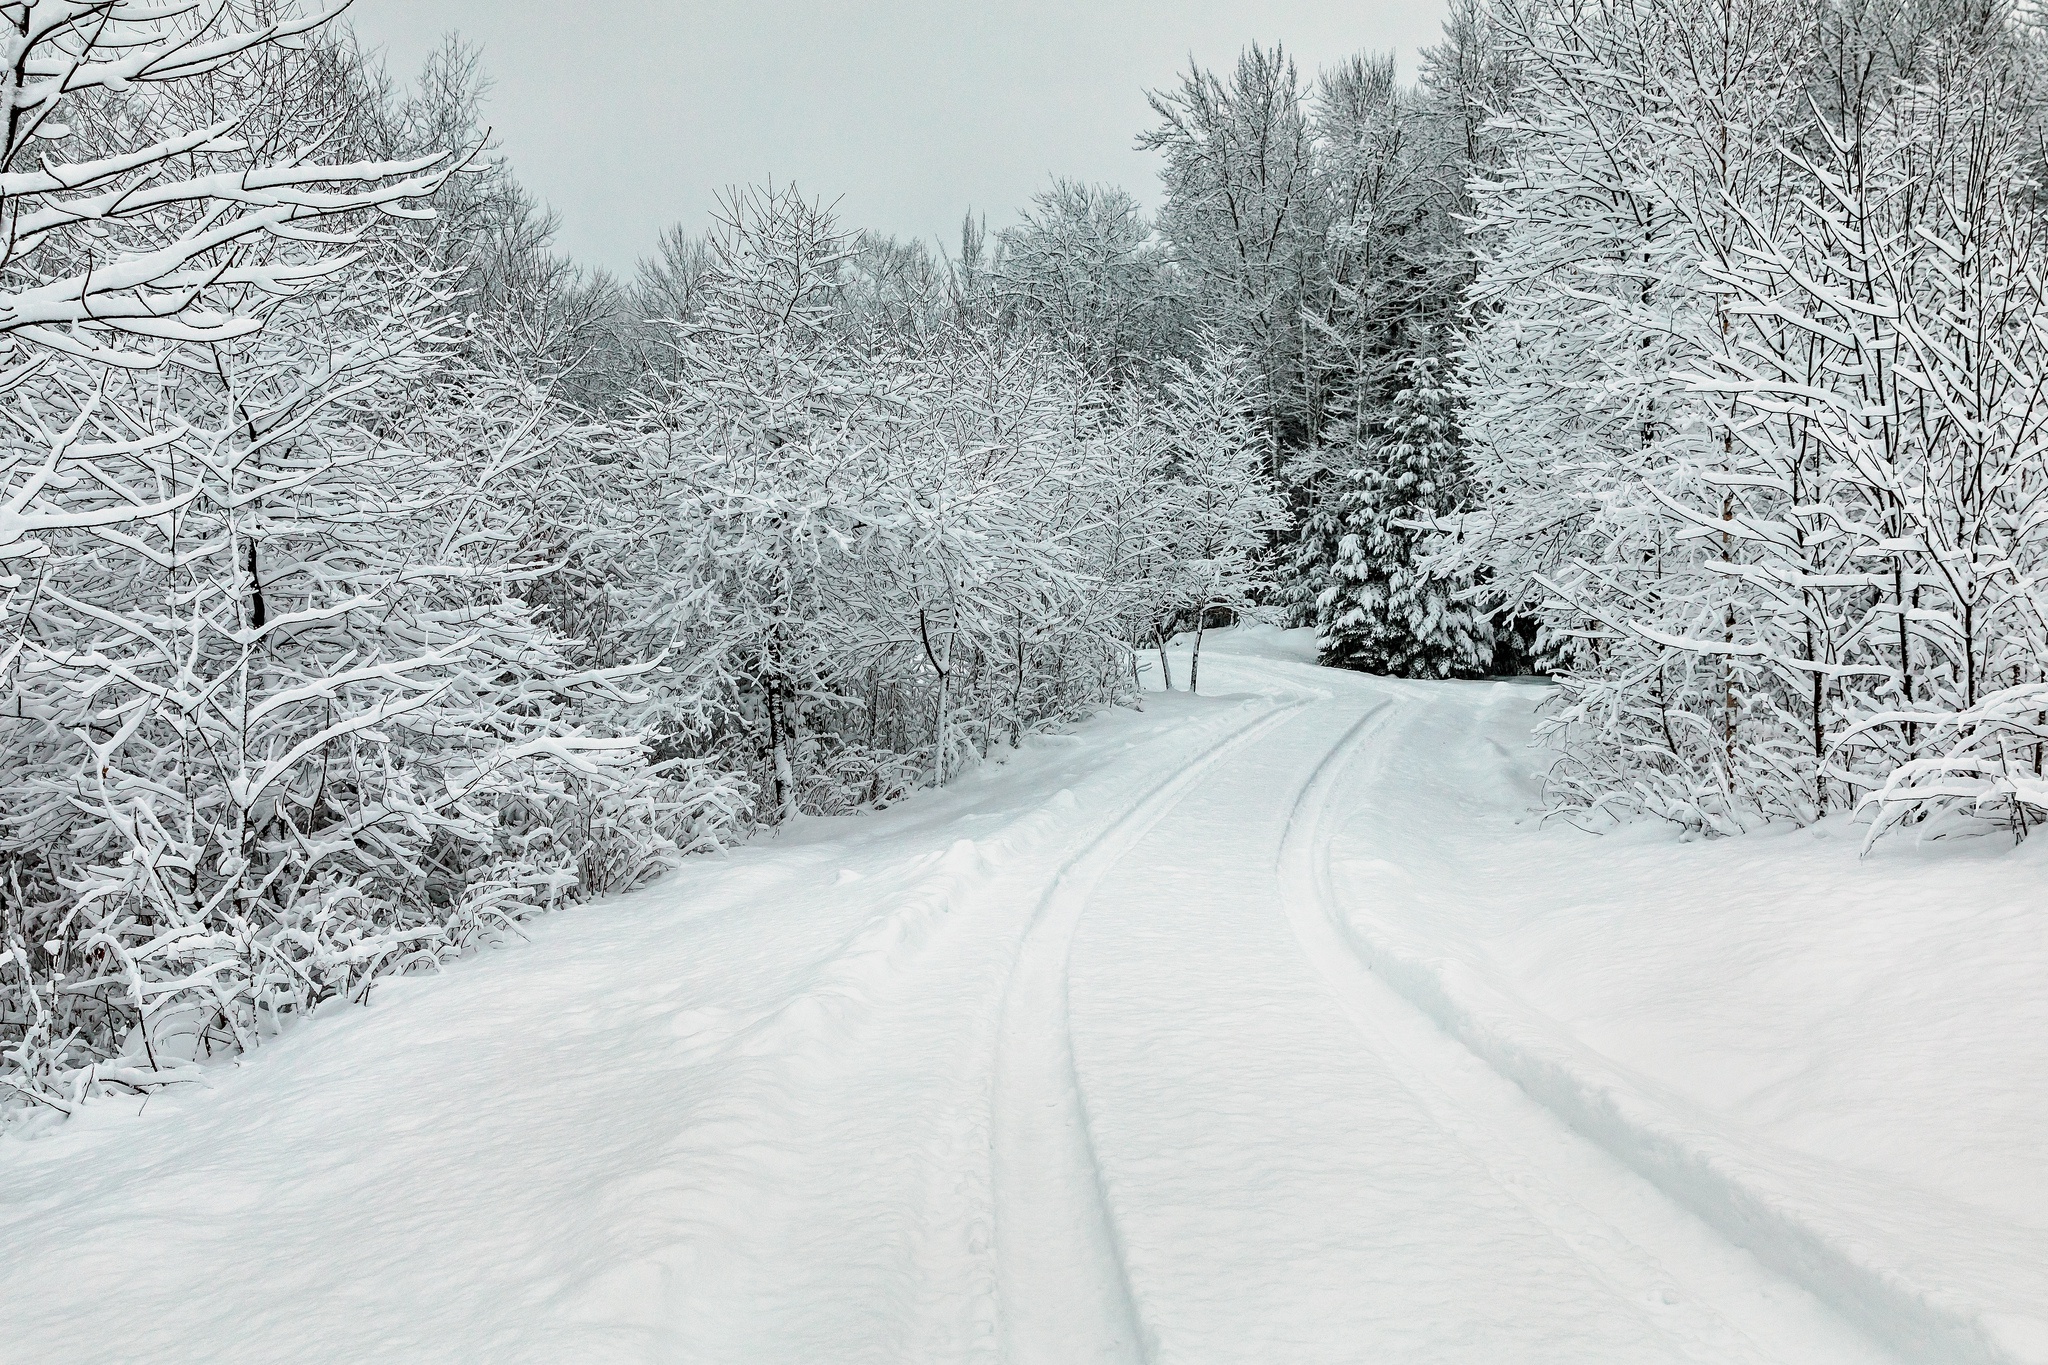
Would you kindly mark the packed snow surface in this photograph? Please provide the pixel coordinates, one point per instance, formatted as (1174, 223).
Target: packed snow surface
(1268, 1026)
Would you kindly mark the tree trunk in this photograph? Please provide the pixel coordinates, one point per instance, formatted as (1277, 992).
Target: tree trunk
(945, 700)
(1905, 650)
(1017, 690)
(258, 613)
(782, 774)
(939, 738)
(1195, 659)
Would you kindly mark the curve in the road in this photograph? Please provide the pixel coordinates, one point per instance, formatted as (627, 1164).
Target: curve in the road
(1352, 973)
(1681, 1153)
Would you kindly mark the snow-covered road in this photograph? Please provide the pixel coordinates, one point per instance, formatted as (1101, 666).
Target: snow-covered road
(1085, 1059)
(1293, 1165)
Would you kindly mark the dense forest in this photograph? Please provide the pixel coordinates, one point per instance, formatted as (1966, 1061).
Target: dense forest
(372, 576)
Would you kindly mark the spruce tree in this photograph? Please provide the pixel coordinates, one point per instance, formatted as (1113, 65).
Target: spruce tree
(1380, 611)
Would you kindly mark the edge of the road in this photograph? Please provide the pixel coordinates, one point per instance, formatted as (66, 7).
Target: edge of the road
(844, 981)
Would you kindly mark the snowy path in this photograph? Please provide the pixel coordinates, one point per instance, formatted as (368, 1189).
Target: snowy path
(1301, 1169)
(1076, 1062)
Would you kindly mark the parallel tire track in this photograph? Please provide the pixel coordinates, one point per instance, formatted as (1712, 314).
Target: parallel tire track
(1063, 1291)
(1357, 970)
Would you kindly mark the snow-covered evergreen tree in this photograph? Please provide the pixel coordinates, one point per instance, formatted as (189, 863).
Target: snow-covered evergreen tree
(1382, 610)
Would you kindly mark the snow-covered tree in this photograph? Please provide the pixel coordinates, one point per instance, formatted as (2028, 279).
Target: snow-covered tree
(277, 721)
(1639, 132)
(1383, 612)
(1084, 266)
(1220, 506)
(762, 453)
(1751, 388)
(862, 528)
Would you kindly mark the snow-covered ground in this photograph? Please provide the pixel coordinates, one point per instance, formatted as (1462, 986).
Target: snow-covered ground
(1265, 1026)
(1838, 1060)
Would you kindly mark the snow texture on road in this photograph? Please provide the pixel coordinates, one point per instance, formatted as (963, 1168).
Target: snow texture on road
(1264, 1027)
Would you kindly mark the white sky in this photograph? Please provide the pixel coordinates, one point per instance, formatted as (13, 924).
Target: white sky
(628, 115)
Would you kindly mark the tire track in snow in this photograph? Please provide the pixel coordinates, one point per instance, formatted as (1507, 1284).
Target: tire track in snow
(1310, 906)
(1484, 1108)
(1063, 1293)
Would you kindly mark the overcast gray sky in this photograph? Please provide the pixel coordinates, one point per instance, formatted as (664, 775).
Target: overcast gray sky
(628, 115)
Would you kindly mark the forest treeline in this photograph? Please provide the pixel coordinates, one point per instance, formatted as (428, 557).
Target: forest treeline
(374, 576)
